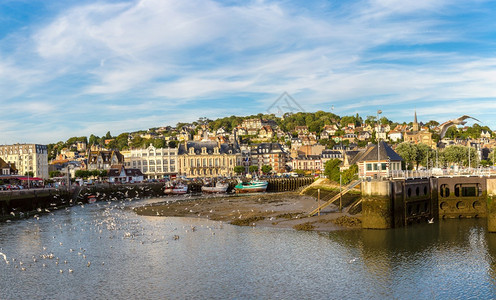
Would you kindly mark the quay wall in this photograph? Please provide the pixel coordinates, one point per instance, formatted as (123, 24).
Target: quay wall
(401, 202)
(377, 205)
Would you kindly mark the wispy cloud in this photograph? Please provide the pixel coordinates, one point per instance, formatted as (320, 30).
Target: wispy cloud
(125, 65)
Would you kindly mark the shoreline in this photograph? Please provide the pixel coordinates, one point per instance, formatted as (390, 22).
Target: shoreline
(275, 210)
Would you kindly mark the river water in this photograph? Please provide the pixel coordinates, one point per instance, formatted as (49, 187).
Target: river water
(106, 251)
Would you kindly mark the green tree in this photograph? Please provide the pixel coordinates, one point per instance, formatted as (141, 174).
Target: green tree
(172, 144)
(424, 154)
(158, 143)
(82, 174)
(458, 155)
(349, 174)
(239, 170)
(102, 174)
(54, 174)
(331, 169)
(266, 169)
(409, 153)
(253, 169)
(137, 142)
(94, 140)
(122, 141)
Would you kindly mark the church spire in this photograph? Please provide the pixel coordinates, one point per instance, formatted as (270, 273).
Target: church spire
(415, 123)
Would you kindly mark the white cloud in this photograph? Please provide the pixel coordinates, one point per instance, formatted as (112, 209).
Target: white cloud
(135, 58)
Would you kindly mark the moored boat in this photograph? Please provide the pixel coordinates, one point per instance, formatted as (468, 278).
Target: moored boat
(220, 187)
(168, 188)
(180, 188)
(254, 186)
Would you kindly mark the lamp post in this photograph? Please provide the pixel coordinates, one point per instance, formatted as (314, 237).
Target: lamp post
(378, 147)
(469, 157)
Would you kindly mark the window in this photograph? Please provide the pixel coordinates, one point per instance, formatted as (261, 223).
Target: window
(369, 167)
(444, 190)
(466, 190)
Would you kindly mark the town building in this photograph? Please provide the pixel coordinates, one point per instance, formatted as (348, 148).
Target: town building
(104, 159)
(307, 163)
(154, 163)
(418, 136)
(395, 136)
(373, 165)
(121, 174)
(208, 159)
(27, 158)
(272, 154)
(254, 123)
(7, 168)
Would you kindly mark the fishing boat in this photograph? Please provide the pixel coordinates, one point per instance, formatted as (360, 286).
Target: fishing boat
(168, 188)
(180, 188)
(220, 187)
(91, 199)
(254, 186)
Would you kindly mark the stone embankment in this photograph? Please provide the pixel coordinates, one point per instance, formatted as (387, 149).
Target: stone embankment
(28, 203)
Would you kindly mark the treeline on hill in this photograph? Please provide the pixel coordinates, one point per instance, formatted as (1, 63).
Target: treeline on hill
(315, 121)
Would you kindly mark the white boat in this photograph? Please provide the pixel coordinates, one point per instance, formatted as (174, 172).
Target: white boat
(168, 188)
(180, 188)
(220, 187)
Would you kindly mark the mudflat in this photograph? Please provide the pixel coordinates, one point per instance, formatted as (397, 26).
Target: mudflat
(279, 210)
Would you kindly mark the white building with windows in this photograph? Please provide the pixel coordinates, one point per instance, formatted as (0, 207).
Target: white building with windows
(27, 158)
(154, 163)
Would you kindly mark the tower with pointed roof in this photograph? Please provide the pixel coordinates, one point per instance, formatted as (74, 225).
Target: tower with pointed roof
(415, 123)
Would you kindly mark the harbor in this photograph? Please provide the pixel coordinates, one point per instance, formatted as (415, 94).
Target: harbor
(86, 249)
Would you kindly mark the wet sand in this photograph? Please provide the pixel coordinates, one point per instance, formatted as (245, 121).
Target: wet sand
(278, 210)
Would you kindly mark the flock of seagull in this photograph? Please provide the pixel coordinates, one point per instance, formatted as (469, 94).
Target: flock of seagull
(114, 219)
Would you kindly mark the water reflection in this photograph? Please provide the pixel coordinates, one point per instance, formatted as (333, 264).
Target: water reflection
(136, 257)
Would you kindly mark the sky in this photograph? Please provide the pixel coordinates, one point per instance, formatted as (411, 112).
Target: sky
(75, 68)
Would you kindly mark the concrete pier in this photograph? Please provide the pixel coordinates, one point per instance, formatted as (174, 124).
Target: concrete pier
(377, 205)
(491, 204)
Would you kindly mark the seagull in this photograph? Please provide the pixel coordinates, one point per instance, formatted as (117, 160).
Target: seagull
(459, 121)
(430, 221)
(4, 257)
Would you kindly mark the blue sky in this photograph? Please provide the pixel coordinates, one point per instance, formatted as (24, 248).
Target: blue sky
(74, 68)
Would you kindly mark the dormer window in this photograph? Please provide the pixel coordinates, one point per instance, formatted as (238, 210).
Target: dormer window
(204, 150)
(191, 150)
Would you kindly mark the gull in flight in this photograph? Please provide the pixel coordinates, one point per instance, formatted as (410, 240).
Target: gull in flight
(459, 121)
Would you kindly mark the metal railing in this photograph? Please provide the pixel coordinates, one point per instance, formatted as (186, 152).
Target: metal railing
(437, 172)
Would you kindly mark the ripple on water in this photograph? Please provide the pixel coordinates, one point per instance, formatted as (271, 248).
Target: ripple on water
(130, 256)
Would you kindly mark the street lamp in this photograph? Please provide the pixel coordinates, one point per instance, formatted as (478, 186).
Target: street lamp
(378, 146)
